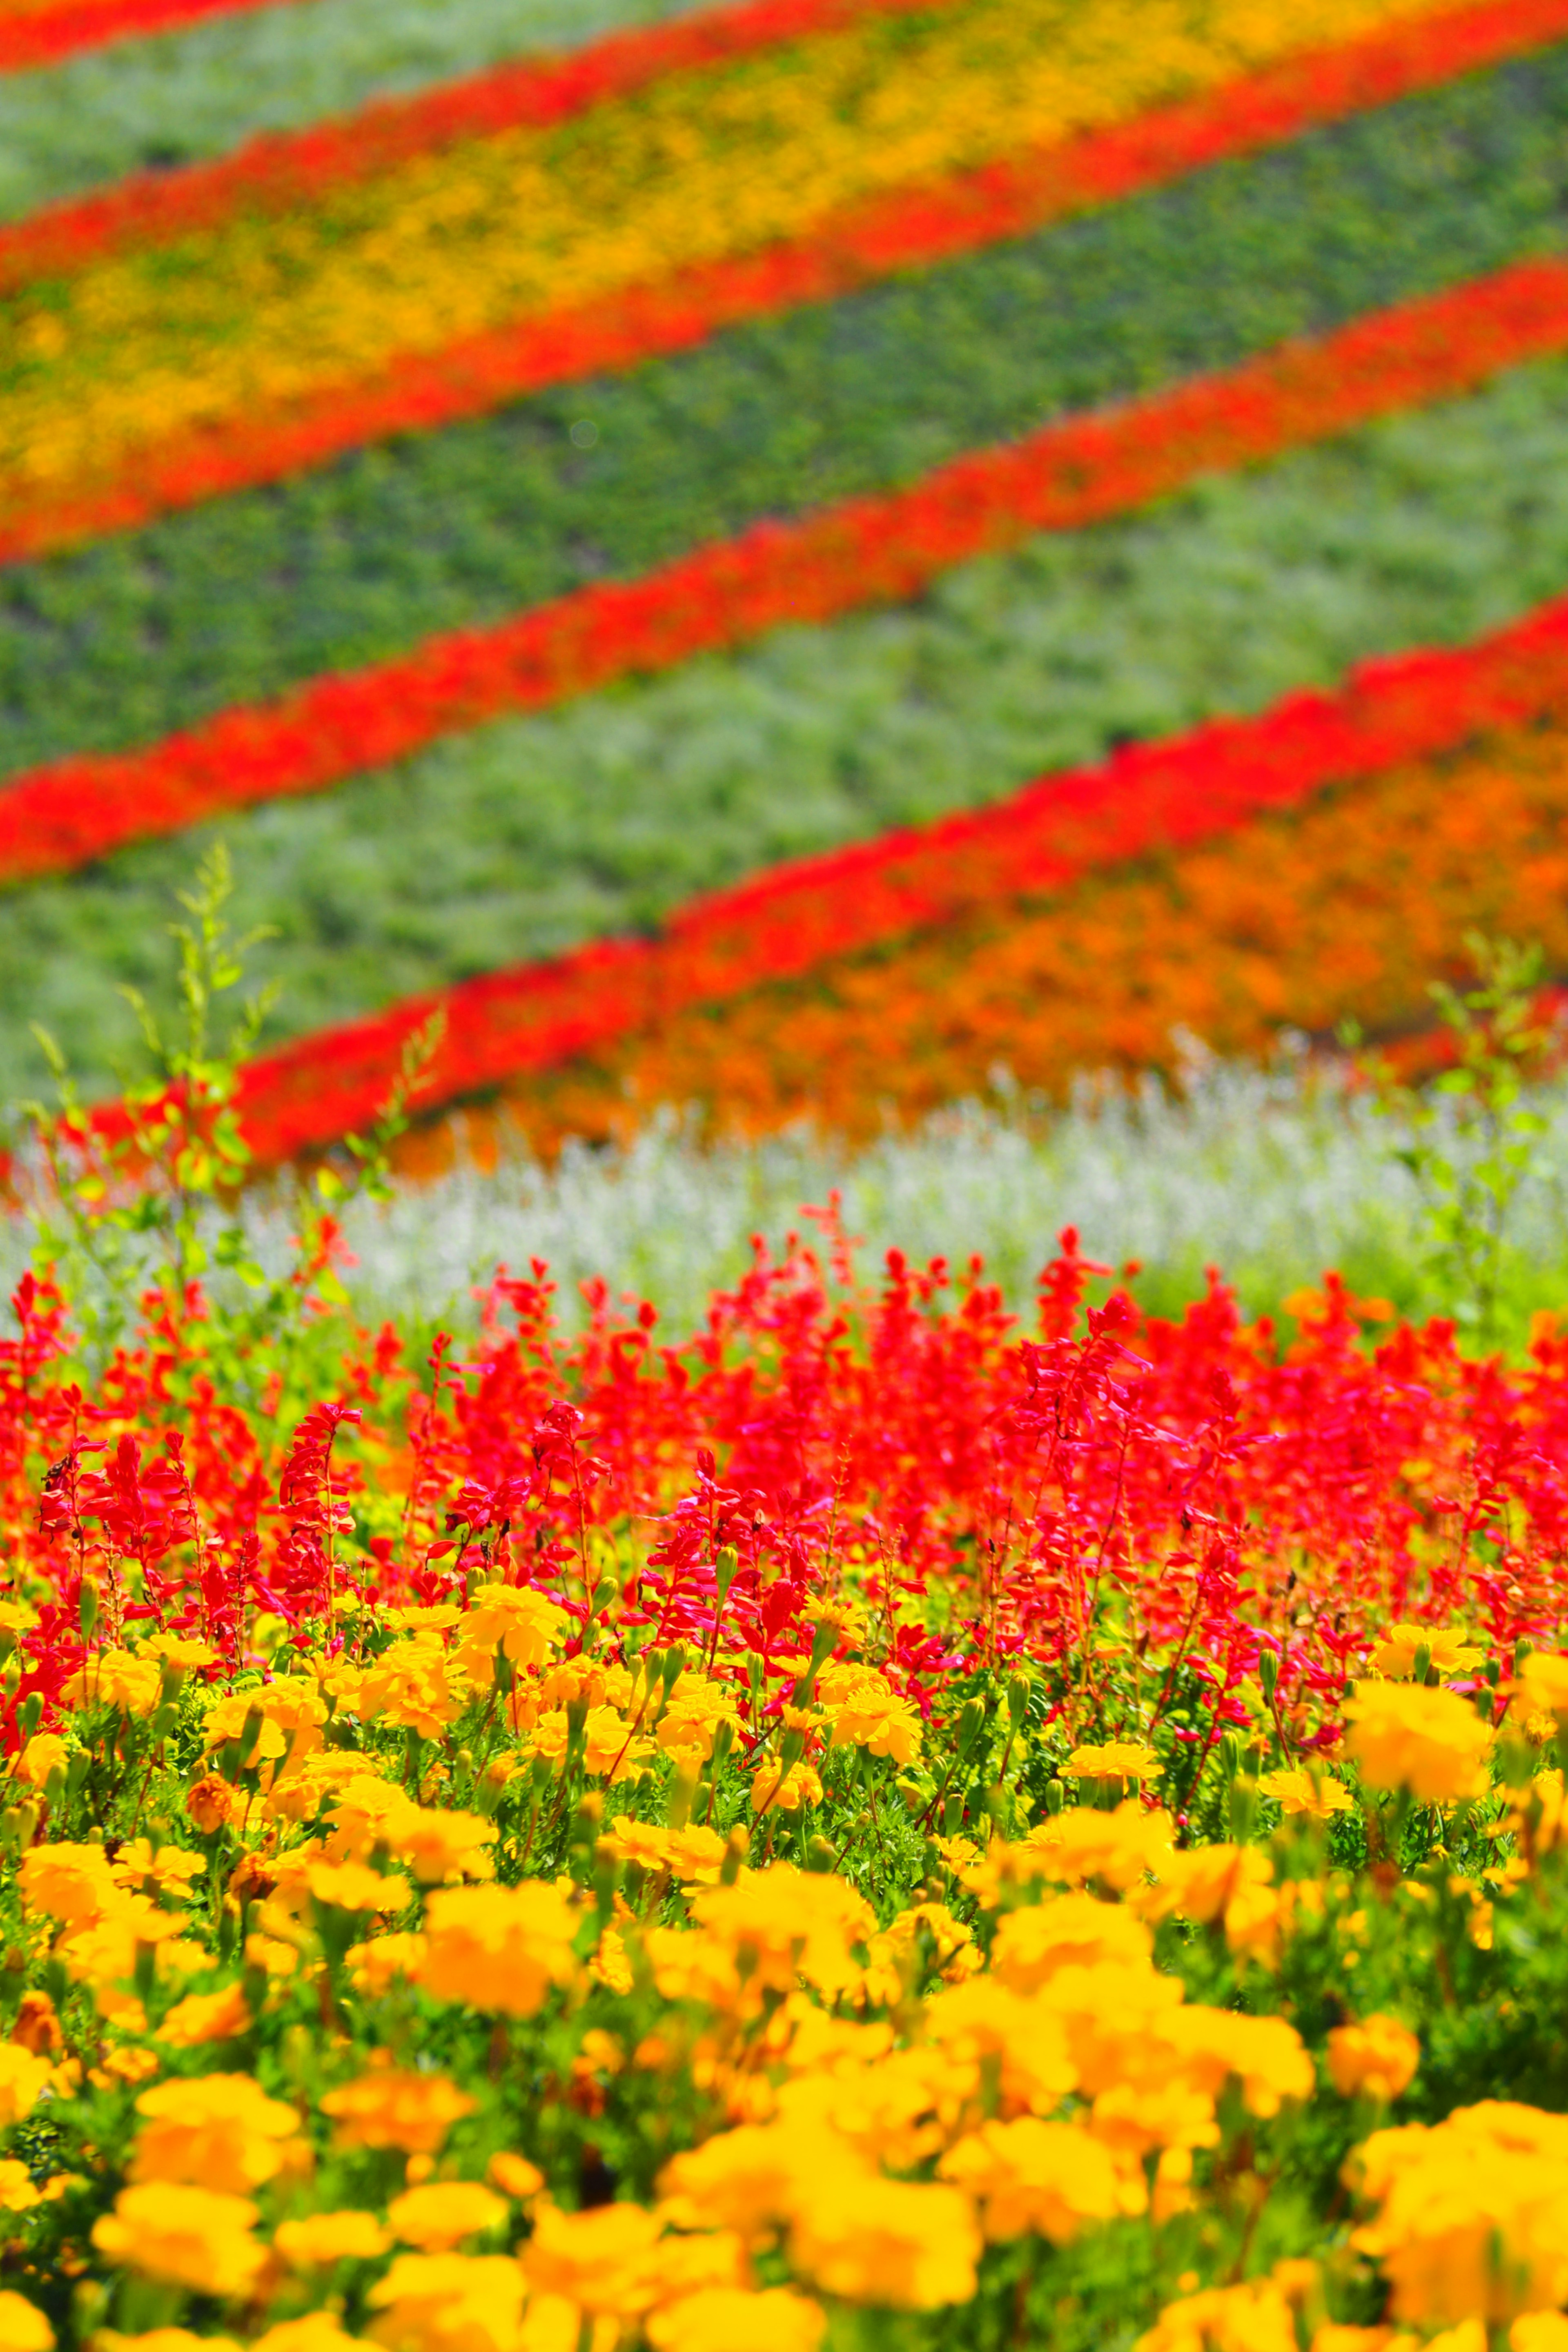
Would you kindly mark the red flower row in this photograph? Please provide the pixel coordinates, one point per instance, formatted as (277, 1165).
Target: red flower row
(863, 551)
(783, 924)
(35, 37)
(915, 227)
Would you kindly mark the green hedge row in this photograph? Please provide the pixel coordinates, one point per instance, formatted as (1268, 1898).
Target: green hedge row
(176, 97)
(131, 638)
(533, 834)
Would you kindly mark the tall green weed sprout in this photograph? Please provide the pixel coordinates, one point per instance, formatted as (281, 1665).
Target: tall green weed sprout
(1470, 1164)
(137, 1210)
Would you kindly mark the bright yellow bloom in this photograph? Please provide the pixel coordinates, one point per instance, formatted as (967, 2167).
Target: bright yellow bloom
(449, 2303)
(23, 2327)
(1254, 2317)
(46, 1752)
(1118, 1847)
(1378, 2057)
(1031, 1946)
(786, 1923)
(694, 1854)
(774, 1791)
(1473, 2212)
(217, 2131)
(316, 2240)
(500, 1948)
(72, 1883)
(726, 2318)
(207, 2017)
(354, 1886)
(525, 1626)
(1429, 1742)
(198, 2238)
(441, 1846)
(1449, 1652)
(1114, 1759)
(388, 2108)
(1296, 1790)
(867, 1712)
(1045, 2177)
(442, 2213)
(908, 2244)
(24, 2073)
(317, 2331)
(114, 1678)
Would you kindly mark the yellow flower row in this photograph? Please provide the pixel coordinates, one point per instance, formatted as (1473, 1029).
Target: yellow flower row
(254, 314)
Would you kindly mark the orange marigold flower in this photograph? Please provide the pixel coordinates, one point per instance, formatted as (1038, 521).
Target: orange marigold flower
(722, 2318)
(1378, 2057)
(500, 1948)
(1045, 2177)
(198, 2237)
(442, 2213)
(390, 2109)
(909, 2245)
(316, 2240)
(1430, 1742)
(217, 2131)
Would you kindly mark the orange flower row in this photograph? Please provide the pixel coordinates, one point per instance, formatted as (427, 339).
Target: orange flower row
(1348, 905)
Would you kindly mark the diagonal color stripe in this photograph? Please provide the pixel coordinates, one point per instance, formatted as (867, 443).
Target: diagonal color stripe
(912, 228)
(783, 924)
(33, 35)
(158, 367)
(866, 551)
(288, 170)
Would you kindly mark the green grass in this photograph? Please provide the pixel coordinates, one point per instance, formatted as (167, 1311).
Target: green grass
(131, 638)
(534, 833)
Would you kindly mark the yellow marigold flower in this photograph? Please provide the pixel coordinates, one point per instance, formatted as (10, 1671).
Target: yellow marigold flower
(442, 1847)
(1256, 2317)
(909, 2245)
(1537, 2331)
(146, 1869)
(207, 2017)
(1201, 1883)
(1118, 1847)
(751, 2178)
(1449, 1653)
(722, 2318)
(1430, 1742)
(316, 2240)
(390, 2109)
(1134, 2119)
(1114, 1759)
(375, 1965)
(1264, 2053)
(449, 2303)
(17, 2190)
(867, 1712)
(1295, 1791)
(785, 1792)
(500, 1948)
(1541, 1687)
(442, 2213)
(354, 1886)
(695, 1710)
(1473, 2218)
(46, 1752)
(181, 1650)
(114, 1678)
(71, 1882)
(23, 2327)
(1378, 2057)
(604, 2261)
(609, 1750)
(198, 2238)
(406, 1686)
(317, 2331)
(23, 2074)
(1031, 1946)
(525, 1626)
(1045, 2178)
(1027, 2039)
(514, 2176)
(220, 2131)
(161, 2339)
(788, 1922)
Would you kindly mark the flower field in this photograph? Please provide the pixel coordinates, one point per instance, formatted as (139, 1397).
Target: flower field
(519, 601)
(878, 1823)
